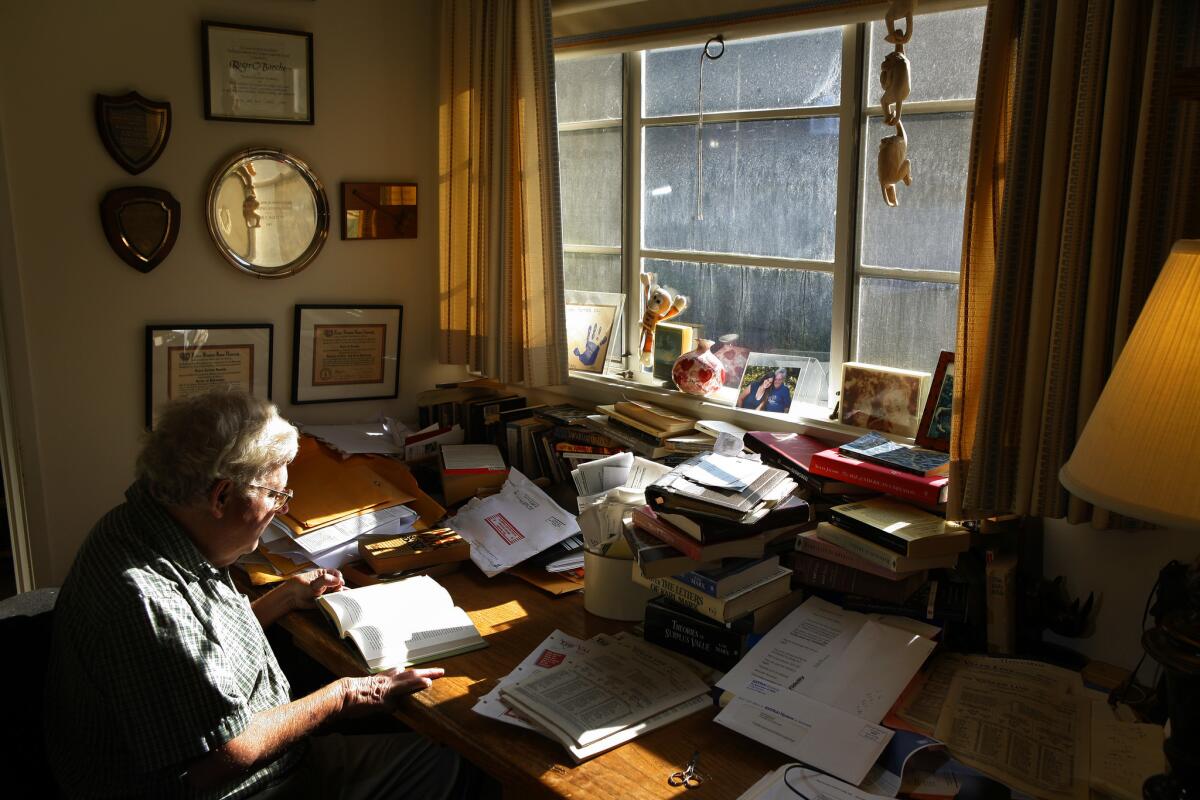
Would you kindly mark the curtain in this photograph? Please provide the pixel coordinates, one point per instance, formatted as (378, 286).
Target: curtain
(1081, 169)
(499, 234)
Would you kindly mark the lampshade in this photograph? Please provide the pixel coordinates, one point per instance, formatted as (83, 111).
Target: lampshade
(1139, 454)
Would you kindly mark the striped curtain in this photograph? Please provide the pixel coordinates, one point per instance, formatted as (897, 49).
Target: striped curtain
(499, 232)
(1083, 163)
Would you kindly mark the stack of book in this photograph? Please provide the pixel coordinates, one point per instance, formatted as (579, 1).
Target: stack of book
(650, 431)
(550, 441)
(709, 543)
(882, 528)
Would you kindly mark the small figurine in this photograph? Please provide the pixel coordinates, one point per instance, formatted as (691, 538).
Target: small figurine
(894, 75)
(899, 8)
(893, 164)
(660, 305)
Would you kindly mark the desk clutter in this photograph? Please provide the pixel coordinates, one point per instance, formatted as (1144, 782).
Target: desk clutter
(813, 593)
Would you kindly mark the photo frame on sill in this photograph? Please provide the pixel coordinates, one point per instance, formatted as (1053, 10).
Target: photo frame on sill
(934, 430)
(255, 74)
(882, 399)
(671, 340)
(774, 382)
(187, 360)
(593, 329)
(342, 353)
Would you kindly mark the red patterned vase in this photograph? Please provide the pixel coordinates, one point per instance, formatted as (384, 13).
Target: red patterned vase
(699, 372)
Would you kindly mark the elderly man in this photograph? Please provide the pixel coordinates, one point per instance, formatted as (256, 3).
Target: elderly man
(162, 682)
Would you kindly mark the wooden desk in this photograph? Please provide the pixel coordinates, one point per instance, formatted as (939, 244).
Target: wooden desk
(515, 618)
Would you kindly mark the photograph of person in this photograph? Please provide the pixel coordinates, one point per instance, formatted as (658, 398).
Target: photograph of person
(767, 386)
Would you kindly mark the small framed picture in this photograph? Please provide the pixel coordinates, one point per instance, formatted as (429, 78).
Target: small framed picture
(671, 340)
(770, 382)
(379, 211)
(346, 353)
(934, 430)
(882, 399)
(254, 74)
(593, 328)
(187, 360)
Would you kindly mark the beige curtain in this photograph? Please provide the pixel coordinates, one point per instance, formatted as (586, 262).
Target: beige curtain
(1083, 163)
(500, 254)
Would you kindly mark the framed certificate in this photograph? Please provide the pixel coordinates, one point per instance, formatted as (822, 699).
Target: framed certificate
(186, 360)
(346, 353)
(256, 74)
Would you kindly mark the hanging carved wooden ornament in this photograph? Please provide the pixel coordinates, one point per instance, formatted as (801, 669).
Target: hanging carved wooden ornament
(895, 78)
(134, 130)
(141, 224)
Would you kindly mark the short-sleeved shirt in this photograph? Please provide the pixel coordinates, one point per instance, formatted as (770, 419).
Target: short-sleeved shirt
(779, 399)
(157, 659)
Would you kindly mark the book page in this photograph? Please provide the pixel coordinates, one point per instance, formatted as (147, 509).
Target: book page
(1124, 754)
(387, 605)
(1019, 734)
(398, 643)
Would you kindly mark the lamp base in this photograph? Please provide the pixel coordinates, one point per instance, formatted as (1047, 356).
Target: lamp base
(1175, 645)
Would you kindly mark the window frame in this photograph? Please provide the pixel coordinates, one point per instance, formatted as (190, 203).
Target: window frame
(854, 113)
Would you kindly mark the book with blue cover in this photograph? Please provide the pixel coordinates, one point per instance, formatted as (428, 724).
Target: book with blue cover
(878, 449)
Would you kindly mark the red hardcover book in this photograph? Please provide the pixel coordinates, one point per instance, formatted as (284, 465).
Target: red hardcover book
(924, 490)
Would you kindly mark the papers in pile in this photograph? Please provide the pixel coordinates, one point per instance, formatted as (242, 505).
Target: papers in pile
(828, 670)
(513, 525)
(592, 695)
(334, 545)
(610, 488)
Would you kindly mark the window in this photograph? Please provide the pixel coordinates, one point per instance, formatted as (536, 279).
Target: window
(789, 245)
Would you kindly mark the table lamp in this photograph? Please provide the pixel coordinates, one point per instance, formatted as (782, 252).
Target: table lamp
(1139, 455)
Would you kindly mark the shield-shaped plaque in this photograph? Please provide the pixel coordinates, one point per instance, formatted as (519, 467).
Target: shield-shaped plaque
(141, 224)
(134, 130)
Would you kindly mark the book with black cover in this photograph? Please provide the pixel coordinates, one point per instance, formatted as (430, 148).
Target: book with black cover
(792, 511)
(878, 449)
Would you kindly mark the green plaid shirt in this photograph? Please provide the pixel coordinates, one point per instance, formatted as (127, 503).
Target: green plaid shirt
(157, 659)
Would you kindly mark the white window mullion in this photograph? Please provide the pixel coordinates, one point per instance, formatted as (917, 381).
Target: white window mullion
(632, 192)
(739, 260)
(845, 251)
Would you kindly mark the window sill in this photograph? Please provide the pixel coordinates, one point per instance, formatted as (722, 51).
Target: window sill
(810, 418)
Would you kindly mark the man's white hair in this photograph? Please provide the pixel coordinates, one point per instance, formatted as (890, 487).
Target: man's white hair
(199, 440)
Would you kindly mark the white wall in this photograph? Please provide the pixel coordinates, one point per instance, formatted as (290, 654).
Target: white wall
(1120, 566)
(74, 313)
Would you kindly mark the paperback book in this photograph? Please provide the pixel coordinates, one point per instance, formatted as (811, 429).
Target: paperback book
(878, 449)
(900, 527)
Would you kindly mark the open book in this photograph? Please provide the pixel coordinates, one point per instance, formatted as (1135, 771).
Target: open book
(401, 623)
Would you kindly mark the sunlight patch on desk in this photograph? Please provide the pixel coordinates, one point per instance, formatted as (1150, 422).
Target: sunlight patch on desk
(499, 618)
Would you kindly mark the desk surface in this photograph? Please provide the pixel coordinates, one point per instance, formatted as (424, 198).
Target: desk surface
(515, 618)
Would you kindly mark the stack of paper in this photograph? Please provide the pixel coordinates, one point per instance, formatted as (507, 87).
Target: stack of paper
(596, 694)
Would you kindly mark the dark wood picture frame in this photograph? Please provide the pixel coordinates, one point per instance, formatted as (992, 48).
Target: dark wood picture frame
(933, 432)
(346, 352)
(207, 27)
(169, 348)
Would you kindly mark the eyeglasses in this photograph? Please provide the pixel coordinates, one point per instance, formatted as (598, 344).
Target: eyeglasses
(280, 496)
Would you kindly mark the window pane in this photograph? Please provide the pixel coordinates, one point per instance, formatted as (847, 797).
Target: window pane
(770, 188)
(905, 324)
(794, 70)
(925, 230)
(588, 88)
(590, 175)
(590, 272)
(787, 311)
(944, 53)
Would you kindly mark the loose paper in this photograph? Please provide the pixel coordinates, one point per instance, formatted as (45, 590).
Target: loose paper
(1124, 754)
(372, 437)
(509, 527)
(804, 783)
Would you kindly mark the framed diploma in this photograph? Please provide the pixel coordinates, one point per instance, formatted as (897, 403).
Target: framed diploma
(186, 360)
(346, 353)
(256, 74)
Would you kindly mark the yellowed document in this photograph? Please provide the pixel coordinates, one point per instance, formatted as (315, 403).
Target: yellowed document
(1019, 734)
(1124, 754)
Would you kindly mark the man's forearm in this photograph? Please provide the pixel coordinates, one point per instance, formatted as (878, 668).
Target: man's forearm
(268, 734)
(272, 605)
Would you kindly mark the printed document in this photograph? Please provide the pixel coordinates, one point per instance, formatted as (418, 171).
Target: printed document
(1011, 729)
(1124, 754)
(509, 527)
(806, 782)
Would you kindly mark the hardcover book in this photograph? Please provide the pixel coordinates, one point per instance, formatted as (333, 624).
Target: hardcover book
(402, 623)
(792, 512)
(793, 453)
(658, 421)
(730, 576)
(878, 449)
(724, 609)
(810, 543)
(928, 490)
(748, 547)
(888, 559)
(657, 559)
(694, 635)
(900, 527)
(817, 573)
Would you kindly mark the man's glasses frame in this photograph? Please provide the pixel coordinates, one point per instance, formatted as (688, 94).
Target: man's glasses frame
(281, 496)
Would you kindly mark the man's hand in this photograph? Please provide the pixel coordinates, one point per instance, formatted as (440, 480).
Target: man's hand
(383, 691)
(296, 593)
(306, 587)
